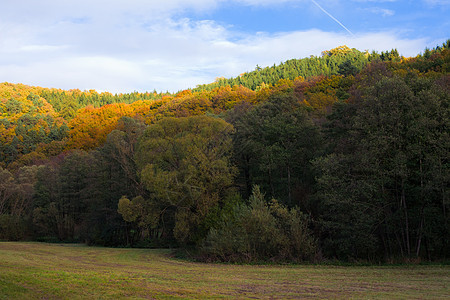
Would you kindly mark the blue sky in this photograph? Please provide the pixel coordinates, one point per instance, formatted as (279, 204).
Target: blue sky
(142, 45)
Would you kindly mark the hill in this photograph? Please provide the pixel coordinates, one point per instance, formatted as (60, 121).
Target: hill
(347, 161)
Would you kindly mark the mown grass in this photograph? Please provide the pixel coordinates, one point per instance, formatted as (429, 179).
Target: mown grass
(55, 271)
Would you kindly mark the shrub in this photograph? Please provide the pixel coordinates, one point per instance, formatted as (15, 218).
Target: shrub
(260, 231)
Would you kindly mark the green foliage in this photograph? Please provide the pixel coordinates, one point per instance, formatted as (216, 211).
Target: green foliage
(260, 231)
(128, 209)
(68, 102)
(387, 171)
(276, 140)
(6, 190)
(13, 106)
(16, 193)
(329, 64)
(113, 175)
(13, 228)
(184, 165)
(357, 142)
(138, 210)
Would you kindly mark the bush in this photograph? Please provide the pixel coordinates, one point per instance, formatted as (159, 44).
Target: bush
(13, 228)
(260, 231)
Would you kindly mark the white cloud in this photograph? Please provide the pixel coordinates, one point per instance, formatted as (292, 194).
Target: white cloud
(267, 2)
(187, 53)
(118, 47)
(382, 11)
(101, 73)
(438, 2)
(34, 48)
(377, 1)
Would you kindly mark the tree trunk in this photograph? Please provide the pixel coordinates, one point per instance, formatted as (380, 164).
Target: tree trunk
(271, 183)
(405, 212)
(248, 183)
(289, 185)
(419, 236)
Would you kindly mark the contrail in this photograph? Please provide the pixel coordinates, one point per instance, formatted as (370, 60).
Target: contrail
(337, 21)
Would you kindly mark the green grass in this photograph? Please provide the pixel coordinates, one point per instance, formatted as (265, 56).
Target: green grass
(55, 271)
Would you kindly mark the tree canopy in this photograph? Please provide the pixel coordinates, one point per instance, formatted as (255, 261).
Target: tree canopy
(343, 156)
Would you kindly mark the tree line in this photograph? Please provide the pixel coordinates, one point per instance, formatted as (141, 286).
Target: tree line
(341, 60)
(349, 165)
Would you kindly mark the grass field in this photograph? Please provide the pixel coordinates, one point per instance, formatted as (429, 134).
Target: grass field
(54, 271)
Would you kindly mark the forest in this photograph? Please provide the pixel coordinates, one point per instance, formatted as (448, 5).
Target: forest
(344, 156)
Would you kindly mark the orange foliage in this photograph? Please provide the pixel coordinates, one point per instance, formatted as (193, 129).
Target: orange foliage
(340, 51)
(318, 92)
(91, 125)
(51, 149)
(28, 159)
(183, 93)
(20, 93)
(6, 134)
(225, 98)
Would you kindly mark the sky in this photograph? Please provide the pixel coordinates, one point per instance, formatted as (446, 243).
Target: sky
(122, 46)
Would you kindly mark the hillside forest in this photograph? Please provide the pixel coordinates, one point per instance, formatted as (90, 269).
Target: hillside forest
(344, 156)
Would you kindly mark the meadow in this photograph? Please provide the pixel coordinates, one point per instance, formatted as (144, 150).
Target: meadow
(63, 271)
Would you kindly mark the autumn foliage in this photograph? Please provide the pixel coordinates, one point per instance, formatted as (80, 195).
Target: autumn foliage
(342, 156)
